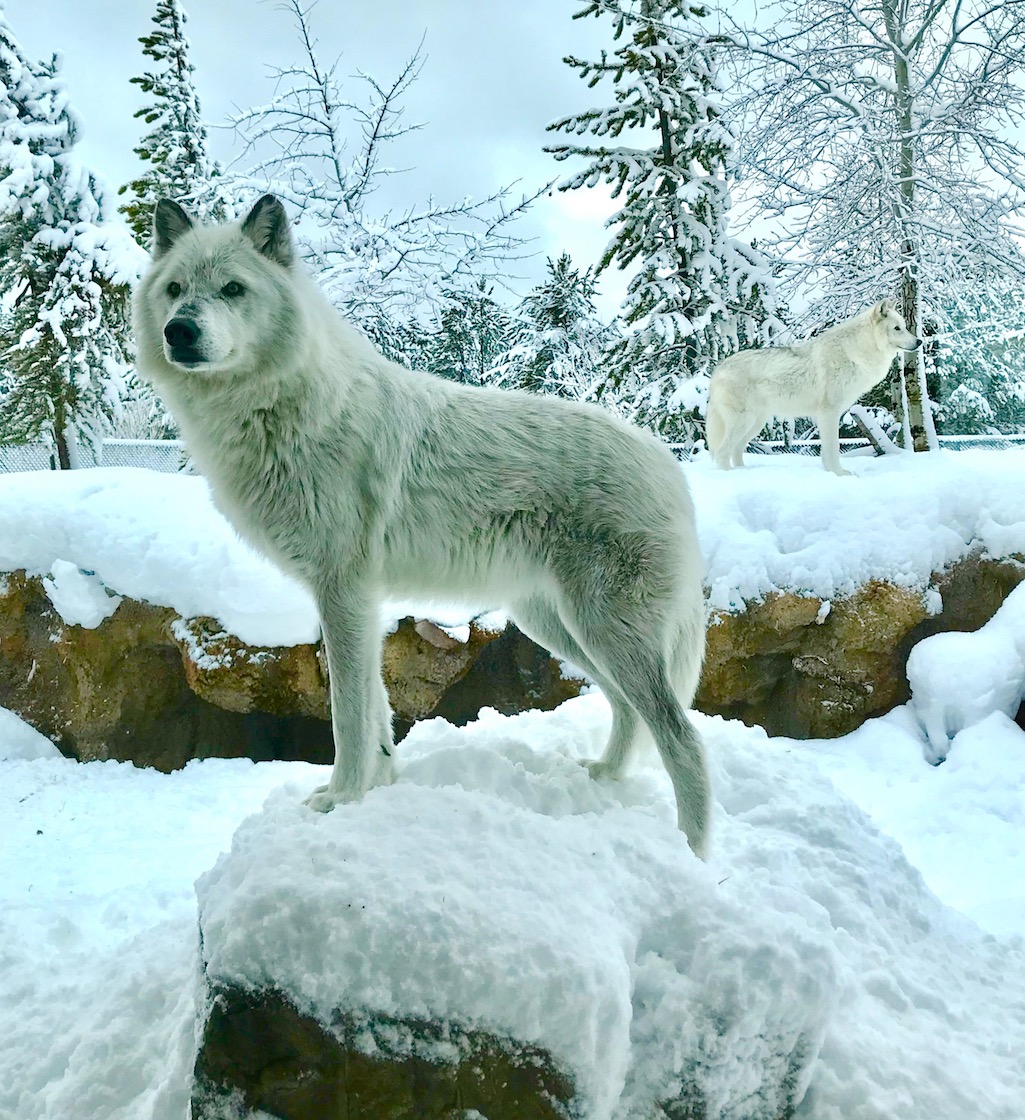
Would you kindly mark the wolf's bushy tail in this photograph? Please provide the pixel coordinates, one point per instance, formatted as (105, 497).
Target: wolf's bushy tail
(715, 426)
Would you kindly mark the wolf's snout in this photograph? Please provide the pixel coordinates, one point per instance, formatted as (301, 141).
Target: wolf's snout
(181, 334)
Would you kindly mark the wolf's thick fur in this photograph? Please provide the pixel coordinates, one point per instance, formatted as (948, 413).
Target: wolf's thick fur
(363, 478)
(820, 378)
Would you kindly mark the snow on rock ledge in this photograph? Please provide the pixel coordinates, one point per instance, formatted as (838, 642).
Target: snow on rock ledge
(497, 893)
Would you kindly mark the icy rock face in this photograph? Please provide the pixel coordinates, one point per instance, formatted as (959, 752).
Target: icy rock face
(259, 1052)
(818, 668)
(496, 901)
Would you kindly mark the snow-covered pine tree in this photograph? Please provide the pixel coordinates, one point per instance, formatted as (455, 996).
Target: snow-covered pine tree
(883, 138)
(175, 149)
(65, 268)
(698, 293)
(560, 341)
(473, 333)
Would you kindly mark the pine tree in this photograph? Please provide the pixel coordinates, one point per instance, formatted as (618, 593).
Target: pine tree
(65, 268)
(559, 343)
(473, 333)
(665, 151)
(176, 149)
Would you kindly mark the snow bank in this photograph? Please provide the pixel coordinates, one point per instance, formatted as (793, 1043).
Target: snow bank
(807, 923)
(958, 680)
(150, 536)
(785, 524)
(781, 524)
(496, 885)
(22, 741)
(961, 824)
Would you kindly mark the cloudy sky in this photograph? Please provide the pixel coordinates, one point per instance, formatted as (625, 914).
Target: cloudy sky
(493, 77)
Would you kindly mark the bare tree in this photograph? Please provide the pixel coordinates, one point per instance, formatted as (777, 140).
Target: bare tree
(324, 152)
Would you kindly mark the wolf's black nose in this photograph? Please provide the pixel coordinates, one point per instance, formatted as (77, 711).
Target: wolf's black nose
(181, 334)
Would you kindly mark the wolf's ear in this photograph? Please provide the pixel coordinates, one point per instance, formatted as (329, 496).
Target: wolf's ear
(169, 222)
(266, 225)
(882, 309)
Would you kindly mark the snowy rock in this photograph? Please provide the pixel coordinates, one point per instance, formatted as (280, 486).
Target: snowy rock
(147, 686)
(22, 741)
(496, 898)
(788, 665)
(958, 680)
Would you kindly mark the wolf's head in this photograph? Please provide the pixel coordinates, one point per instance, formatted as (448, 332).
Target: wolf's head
(890, 327)
(216, 299)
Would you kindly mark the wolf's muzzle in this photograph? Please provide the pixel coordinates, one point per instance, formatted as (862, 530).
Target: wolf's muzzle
(182, 338)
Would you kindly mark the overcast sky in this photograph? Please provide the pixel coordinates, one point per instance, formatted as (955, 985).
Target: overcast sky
(493, 78)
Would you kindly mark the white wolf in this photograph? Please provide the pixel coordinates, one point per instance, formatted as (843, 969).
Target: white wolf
(820, 378)
(363, 478)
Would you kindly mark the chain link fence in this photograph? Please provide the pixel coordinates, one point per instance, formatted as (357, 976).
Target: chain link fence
(154, 454)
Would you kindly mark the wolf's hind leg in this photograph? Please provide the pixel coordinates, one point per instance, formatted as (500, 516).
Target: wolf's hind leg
(539, 619)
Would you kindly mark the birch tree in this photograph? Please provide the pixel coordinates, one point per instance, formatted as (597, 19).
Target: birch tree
(665, 152)
(883, 140)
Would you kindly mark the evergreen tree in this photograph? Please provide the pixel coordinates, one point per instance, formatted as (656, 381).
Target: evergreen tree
(65, 268)
(175, 149)
(664, 151)
(473, 334)
(560, 341)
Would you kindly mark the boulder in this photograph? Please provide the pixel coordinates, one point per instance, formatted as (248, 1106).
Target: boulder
(148, 686)
(259, 1053)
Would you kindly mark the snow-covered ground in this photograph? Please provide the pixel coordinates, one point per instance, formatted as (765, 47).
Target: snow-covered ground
(855, 892)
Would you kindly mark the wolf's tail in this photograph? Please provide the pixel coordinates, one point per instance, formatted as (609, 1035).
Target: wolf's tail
(715, 426)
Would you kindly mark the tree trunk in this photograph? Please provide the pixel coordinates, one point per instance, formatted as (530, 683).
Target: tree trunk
(918, 420)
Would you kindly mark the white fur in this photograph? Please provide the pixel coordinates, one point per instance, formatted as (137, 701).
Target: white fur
(820, 378)
(363, 479)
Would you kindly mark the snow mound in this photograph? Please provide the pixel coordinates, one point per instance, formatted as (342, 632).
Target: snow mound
(958, 680)
(19, 740)
(495, 885)
(784, 524)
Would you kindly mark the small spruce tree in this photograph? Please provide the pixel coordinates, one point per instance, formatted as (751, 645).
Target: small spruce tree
(176, 148)
(65, 268)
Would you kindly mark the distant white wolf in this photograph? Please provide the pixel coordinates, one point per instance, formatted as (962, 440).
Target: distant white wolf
(820, 378)
(362, 479)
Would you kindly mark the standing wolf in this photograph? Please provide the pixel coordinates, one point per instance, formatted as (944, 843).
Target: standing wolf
(820, 378)
(363, 478)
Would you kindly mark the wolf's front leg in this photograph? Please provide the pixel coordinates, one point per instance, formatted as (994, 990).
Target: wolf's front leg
(352, 641)
(829, 436)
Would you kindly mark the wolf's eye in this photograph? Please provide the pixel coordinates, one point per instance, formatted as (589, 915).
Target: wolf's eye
(174, 289)
(232, 289)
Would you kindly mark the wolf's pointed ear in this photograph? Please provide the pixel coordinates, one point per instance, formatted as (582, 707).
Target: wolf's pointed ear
(169, 222)
(882, 309)
(266, 225)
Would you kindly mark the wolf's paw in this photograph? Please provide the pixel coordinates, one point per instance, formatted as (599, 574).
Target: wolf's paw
(385, 773)
(322, 800)
(599, 769)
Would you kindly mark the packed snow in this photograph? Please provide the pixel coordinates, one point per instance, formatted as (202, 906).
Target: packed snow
(862, 910)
